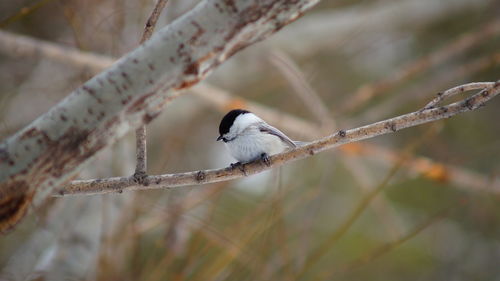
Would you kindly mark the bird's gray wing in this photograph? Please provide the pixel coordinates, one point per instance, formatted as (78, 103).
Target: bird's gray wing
(266, 128)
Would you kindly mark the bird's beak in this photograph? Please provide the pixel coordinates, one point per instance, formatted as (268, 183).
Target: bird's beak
(219, 138)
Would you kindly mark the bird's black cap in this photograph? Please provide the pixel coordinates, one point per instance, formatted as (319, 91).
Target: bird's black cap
(228, 119)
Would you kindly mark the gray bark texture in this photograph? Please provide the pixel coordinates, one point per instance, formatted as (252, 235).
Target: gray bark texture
(49, 152)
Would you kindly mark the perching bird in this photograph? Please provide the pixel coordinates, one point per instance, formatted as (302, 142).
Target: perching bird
(248, 137)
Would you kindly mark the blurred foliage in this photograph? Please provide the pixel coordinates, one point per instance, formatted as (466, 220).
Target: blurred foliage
(419, 227)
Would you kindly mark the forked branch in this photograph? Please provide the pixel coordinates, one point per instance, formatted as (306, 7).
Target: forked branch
(141, 133)
(425, 115)
(50, 151)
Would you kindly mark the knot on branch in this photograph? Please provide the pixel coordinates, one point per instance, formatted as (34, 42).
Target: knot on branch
(200, 176)
(140, 177)
(391, 126)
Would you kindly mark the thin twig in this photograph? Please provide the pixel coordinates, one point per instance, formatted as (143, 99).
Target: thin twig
(100, 186)
(463, 43)
(431, 85)
(152, 20)
(141, 154)
(141, 133)
(455, 91)
(303, 89)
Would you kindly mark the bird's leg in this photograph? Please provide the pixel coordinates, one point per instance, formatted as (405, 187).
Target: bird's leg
(240, 166)
(265, 158)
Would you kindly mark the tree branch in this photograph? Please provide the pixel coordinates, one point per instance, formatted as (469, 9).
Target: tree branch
(100, 186)
(15, 44)
(149, 28)
(455, 91)
(457, 46)
(141, 133)
(132, 92)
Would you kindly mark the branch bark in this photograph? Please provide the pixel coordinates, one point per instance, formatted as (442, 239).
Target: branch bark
(425, 115)
(49, 151)
(141, 133)
(15, 44)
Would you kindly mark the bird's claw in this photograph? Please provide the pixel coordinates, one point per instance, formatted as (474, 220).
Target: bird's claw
(240, 167)
(265, 158)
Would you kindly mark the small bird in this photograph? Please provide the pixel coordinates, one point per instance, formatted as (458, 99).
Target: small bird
(248, 137)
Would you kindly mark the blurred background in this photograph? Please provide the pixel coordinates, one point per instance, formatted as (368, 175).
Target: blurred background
(420, 204)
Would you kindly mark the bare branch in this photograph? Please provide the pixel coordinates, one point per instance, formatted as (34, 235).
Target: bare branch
(152, 20)
(222, 100)
(392, 125)
(461, 44)
(431, 85)
(141, 154)
(141, 133)
(455, 91)
(458, 176)
(48, 152)
(15, 44)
